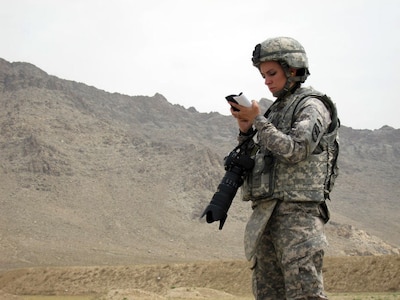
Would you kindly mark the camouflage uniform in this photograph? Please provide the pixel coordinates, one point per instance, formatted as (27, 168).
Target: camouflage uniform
(293, 164)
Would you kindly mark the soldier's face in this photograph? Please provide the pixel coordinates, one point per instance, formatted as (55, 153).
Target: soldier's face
(274, 76)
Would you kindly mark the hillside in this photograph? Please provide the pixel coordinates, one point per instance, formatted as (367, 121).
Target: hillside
(94, 178)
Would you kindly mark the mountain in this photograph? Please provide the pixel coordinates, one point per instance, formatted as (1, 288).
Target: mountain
(90, 177)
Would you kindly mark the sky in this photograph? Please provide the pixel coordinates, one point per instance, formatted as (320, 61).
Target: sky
(196, 52)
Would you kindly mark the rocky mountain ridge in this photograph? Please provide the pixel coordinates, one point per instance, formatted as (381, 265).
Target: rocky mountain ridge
(90, 177)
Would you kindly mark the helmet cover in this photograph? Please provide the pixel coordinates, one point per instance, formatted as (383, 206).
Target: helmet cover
(280, 49)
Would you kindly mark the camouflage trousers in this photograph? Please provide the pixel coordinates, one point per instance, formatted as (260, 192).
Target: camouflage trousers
(289, 256)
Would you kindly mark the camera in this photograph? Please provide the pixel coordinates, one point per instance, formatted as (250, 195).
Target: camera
(236, 164)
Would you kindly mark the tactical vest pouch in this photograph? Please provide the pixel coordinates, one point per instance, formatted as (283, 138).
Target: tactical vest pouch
(259, 183)
(303, 181)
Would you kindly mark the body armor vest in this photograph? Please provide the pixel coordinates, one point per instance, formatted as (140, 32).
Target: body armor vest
(309, 180)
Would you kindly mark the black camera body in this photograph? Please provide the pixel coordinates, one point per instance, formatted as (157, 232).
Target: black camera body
(237, 164)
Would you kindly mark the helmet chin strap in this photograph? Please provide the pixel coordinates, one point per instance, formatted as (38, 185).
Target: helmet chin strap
(284, 91)
(289, 87)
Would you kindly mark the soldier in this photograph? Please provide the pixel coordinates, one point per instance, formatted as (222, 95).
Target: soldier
(295, 151)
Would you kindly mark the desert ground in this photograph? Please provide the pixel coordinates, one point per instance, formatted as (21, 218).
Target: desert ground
(370, 277)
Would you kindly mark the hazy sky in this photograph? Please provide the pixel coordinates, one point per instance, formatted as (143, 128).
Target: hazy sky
(195, 52)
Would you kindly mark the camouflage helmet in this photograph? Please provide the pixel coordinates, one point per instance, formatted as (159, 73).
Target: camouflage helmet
(285, 50)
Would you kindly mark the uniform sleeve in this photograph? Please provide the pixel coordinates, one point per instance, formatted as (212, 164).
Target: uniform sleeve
(310, 123)
(247, 137)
